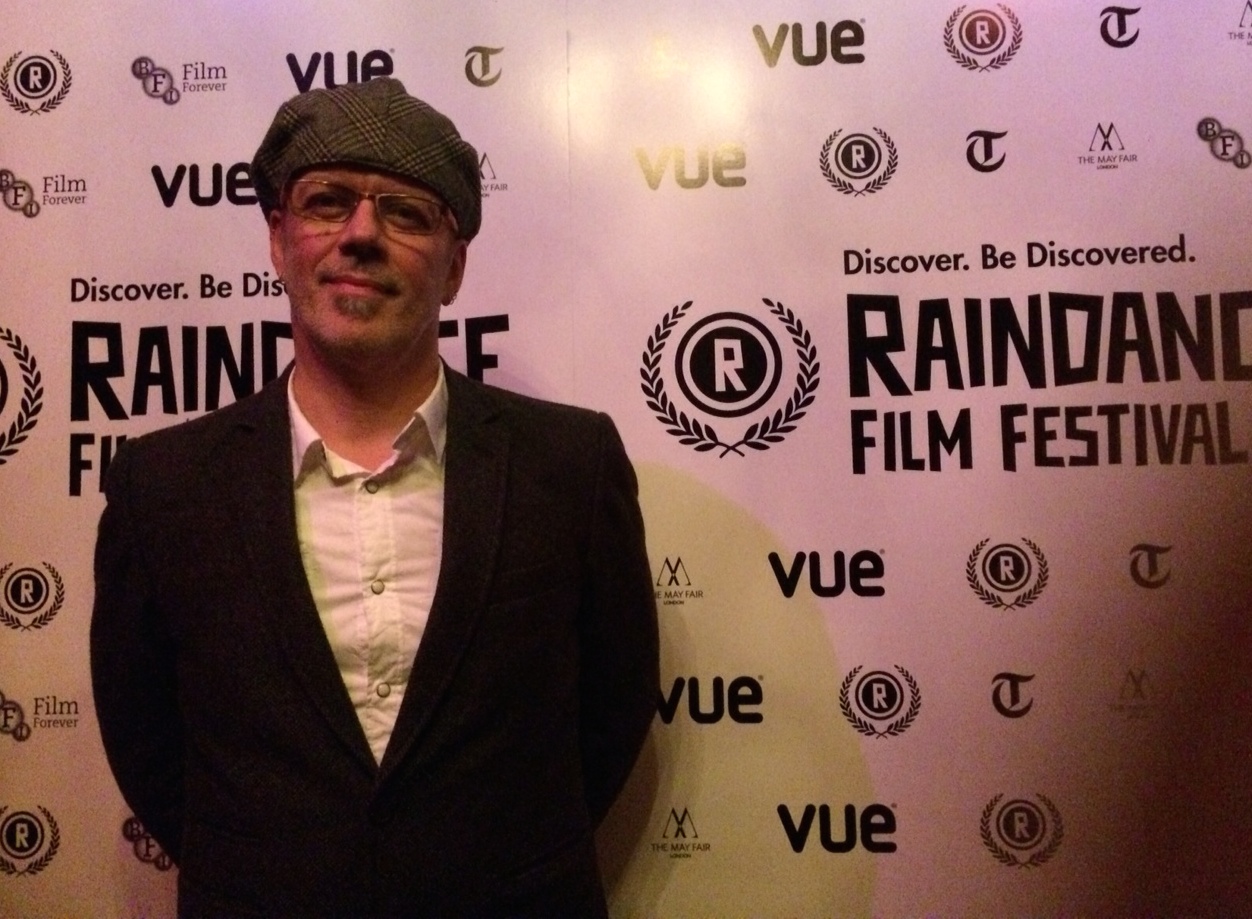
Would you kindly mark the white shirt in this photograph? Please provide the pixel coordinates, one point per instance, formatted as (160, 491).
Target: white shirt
(371, 543)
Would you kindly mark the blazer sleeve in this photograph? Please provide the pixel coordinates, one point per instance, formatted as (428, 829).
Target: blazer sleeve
(133, 665)
(619, 666)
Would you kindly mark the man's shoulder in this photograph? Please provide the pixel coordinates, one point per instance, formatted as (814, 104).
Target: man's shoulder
(516, 407)
(183, 441)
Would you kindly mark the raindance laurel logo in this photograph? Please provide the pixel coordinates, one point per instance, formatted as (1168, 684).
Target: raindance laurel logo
(158, 83)
(879, 696)
(983, 33)
(13, 719)
(1019, 833)
(729, 365)
(858, 157)
(18, 196)
(28, 592)
(25, 838)
(32, 395)
(34, 79)
(145, 847)
(1009, 570)
(1224, 143)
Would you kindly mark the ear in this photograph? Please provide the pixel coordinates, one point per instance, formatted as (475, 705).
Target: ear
(456, 271)
(275, 221)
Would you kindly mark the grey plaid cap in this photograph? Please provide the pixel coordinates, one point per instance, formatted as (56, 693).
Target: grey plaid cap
(375, 124)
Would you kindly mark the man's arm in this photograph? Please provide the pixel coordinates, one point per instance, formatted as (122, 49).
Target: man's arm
(619, 665)
(133, 669)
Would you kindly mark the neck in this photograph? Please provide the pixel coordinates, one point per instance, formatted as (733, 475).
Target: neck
(358, 415)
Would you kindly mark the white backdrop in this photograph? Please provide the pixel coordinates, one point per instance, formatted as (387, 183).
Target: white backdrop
(971, 576)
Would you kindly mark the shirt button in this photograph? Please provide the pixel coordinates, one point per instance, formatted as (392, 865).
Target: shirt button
(383, 690)
(378, 587)
(371, 487)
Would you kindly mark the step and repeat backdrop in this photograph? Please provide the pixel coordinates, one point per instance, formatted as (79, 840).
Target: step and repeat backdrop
(928, 326)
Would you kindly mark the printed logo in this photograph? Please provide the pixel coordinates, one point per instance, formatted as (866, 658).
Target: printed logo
(29, 599)
(1106, 150)
(858, 572)
(13, 719)
(876, 820)
(987, 40)
(144, 846)
(1010, 571)
(1115, 26)
(18, 196)
(478, 65)
(157, 82)
(980, 150)
(360, 68)
(673, 584)
(857, 158)
(1020, 833)
(1006, 694)
(725, 160)
(488, 177)
(843, 35)
(1224, 143)
(680, 838)
(31, 402)
(739, 700)
(27, 843)
(35, 79)
(879, 698)
(1146, 566)
(1242, 33)
(1136, 697)
(729, 365)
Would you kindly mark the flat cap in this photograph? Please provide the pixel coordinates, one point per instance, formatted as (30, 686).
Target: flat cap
(375, 124)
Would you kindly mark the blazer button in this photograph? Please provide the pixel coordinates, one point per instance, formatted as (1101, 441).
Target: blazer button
(378, 587)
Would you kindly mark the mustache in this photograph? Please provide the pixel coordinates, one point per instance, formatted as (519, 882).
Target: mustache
(379, 282)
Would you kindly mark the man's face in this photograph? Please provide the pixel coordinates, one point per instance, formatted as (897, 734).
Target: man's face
(361, 291)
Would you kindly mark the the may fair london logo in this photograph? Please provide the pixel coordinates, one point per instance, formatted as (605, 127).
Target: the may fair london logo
(21, 393)
(1006, 575)
(730, 366)
(34, 84)
(983, 39)
(849, 159)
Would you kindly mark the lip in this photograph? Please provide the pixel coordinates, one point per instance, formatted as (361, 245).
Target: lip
(356, 282)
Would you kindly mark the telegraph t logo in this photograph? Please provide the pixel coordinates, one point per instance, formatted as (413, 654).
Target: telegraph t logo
(1114, 27)
(478, 65)
(980, 151)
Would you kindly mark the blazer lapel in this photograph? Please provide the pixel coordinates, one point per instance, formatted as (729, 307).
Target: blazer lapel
(255, 470)
(475, 475)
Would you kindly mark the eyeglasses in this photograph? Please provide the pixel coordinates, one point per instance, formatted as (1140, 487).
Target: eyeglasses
(313, 199)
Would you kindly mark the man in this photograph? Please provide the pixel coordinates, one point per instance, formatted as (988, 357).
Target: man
(378, 640)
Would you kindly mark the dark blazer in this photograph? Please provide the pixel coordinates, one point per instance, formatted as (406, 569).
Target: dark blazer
(232, 736)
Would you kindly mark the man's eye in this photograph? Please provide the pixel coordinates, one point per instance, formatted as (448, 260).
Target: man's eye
(410, 213)
(327, 201)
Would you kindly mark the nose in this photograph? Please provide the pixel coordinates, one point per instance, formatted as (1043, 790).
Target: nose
(364, 223)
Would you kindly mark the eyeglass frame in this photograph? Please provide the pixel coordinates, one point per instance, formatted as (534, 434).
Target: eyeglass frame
(374, 197)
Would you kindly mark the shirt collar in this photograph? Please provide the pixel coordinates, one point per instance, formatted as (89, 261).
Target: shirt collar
(426, 431)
